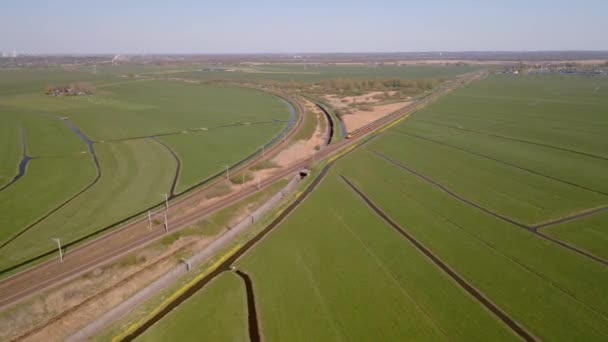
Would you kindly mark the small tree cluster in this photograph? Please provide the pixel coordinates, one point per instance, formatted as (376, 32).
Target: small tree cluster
(72, 89)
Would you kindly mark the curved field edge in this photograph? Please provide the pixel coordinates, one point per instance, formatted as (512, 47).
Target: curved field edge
(205, 154)
(135, 174)
(48, 183)
(63, 129)
(128, 110)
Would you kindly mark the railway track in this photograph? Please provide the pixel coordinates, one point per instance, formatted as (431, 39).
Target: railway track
(135, 235)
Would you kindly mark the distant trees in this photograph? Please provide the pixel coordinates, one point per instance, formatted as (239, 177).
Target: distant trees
(72, 89)
(349, 85)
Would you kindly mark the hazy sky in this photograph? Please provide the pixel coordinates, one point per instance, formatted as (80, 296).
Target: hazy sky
(184, 26)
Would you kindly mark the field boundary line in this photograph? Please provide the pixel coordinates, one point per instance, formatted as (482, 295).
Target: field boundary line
(480, 297)
(180, 291)
(451, 193)
(178, 169)
(530, 229)
(191, 130)
(220, 266)
(63, 204)
(392, 275)
(501, 161)
(489, 134)
(573, 217)
(137, 217)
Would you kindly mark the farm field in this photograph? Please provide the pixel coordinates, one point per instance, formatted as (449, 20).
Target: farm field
(313, 73)
(94, 160)
(589, 233)
(213, 150)
(218, 313)
(481, 180)
(358, 276)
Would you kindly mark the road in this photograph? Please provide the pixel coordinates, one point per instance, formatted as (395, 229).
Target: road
(137, 234)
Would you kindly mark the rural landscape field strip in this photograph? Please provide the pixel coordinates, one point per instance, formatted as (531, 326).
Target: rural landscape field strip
(226, 264)
(512, 324)
(25, 159)
(490, 212)
(134, 173)
(451, 193)
(254, 328)
(570, 218)
(91, 148)
(52, 272)
(493, 256)
(216, 313)
(501, 161)
(590, 233)
(48, 265)
(178, 168)
(90, 144)
(525, 141)
(197, 130)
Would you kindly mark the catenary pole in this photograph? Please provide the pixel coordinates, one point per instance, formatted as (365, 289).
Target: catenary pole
(59, 247)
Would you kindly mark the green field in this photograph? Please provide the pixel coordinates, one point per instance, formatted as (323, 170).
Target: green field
(468, 177)
(590, 233)
(60, 195)
(213, 150)
(314, 73)
(218, 313)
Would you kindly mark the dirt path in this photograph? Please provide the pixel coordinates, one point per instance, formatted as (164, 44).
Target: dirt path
(530, 229)
(498, 312)
(360, 118)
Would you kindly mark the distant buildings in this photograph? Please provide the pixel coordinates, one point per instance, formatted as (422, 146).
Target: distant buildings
(7, 54)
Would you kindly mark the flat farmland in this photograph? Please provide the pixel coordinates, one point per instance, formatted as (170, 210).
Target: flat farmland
(206, 153)
(101, 158)
(482, 217)
(537, 283)
(343, 274)
(589, 233)
(314, 73)
(217, 313)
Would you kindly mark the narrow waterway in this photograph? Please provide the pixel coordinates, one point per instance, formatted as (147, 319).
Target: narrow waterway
(25, 159)
(87, 141)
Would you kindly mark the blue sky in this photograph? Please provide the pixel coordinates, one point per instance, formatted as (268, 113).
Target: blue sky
(66, 26)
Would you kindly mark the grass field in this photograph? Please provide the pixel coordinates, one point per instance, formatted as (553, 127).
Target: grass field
(358, 277)
(308, 73)
(10, 147)
(134, 175)
(38, 193)
(218, 313)
(590, 233)
(468, 177)
(119, 118)
(496, 257)
(213, 150)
